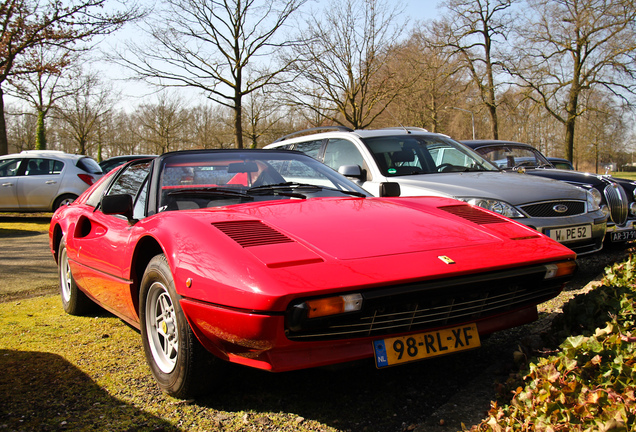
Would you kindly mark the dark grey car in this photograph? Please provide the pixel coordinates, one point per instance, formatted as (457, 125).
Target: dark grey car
(617, 196)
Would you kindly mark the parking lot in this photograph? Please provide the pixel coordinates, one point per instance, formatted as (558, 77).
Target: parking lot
(27, 266)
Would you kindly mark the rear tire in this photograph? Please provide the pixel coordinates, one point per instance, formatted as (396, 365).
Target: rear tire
(74, 301)
(175, 356)
(63, 200)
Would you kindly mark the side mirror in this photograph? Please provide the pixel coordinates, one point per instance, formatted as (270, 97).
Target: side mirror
(121, 204)
(351, 171)
(390, 189)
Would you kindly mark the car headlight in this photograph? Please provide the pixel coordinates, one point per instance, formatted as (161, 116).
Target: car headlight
(497, 206)
(593, 199)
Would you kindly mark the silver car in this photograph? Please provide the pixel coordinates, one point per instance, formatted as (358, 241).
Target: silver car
(425, 163)
(44, 180)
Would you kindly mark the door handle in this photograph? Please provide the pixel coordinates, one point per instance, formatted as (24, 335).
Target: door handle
(51, 182)
(7, 184)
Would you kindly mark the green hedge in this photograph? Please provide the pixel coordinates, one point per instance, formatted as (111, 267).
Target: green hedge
(590, 383)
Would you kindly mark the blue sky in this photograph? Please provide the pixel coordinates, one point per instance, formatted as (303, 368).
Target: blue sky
(132, 93)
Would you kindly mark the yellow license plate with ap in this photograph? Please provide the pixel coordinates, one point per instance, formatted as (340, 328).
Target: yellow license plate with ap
(403, 349)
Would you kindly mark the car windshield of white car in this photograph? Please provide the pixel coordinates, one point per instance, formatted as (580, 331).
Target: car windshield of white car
(514, 157)
(413, 154)
(193, 180)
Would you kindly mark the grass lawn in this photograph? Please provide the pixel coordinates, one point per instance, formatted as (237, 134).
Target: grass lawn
(625, 175)
(10, 223)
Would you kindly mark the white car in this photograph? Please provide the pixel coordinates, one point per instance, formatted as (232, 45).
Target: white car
(44, 180)
(425, 163)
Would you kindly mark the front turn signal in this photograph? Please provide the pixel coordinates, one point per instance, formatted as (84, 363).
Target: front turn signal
(565, 268)
(334, 305)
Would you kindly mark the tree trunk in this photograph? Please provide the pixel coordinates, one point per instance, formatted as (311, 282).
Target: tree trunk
(40, 132)
(494, 123)
(238, 122)
(569, 137)
(4, 142)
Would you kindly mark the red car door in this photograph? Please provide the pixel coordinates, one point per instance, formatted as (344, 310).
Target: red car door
(102, 253)
(102, 247)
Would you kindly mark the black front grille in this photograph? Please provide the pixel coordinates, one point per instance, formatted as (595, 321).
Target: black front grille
(617, 202)
(555, 209)
(404, 308)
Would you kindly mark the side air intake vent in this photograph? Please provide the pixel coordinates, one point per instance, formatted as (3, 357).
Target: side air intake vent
(473, 214)
(252, 233)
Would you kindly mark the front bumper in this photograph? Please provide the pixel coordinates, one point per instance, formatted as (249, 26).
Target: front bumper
(259, 341)
(621, 233)
(289, 340)
(597, 220)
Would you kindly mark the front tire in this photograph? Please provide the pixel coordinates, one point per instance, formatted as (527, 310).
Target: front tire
(74, 301)
(174, 354)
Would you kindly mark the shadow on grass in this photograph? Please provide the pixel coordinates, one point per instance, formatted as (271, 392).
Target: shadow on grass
(42, 391)
(8, 233)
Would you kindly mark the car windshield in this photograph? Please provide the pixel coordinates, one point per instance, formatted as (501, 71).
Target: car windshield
(418, 154)
(193, 180)
(512, 157)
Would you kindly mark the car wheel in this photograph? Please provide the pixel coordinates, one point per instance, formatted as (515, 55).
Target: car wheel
(63, 200)
(174, 355)
(74, 301)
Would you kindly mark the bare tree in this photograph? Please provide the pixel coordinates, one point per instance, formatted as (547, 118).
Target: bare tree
(82, 113)
(221, 47)
(342, 64)
(164, 124)
(47, 85)
(569, 47)
(263, 114)
(27, 25)
(210, 127)
(471, 30)
(21, 130)
(437, 83)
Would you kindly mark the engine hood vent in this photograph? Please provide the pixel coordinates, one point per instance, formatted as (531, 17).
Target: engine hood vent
(473, 214)
(252, 233)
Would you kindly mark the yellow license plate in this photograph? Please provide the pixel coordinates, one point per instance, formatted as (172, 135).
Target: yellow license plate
(402, 349)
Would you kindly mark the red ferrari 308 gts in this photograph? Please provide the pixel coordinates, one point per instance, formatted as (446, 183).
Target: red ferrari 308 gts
(272, 260)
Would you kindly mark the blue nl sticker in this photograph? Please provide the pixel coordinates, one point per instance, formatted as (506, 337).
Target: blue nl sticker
(381, 359)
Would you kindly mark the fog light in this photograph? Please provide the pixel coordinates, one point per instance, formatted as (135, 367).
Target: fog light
(565, 268)
(632, 208)
(334, 305)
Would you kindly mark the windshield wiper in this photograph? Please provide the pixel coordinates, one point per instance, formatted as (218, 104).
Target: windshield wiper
(210, 191)
(278, 187)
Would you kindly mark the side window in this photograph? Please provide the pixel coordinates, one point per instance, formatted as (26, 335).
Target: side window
(97, 193)
(129, 182)
(57, 167)
(41, 167)
(310, 148)
(9, 167)
(139, 210)
(342, 152)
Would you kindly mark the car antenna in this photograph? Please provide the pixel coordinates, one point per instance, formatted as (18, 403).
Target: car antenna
(398, 122)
